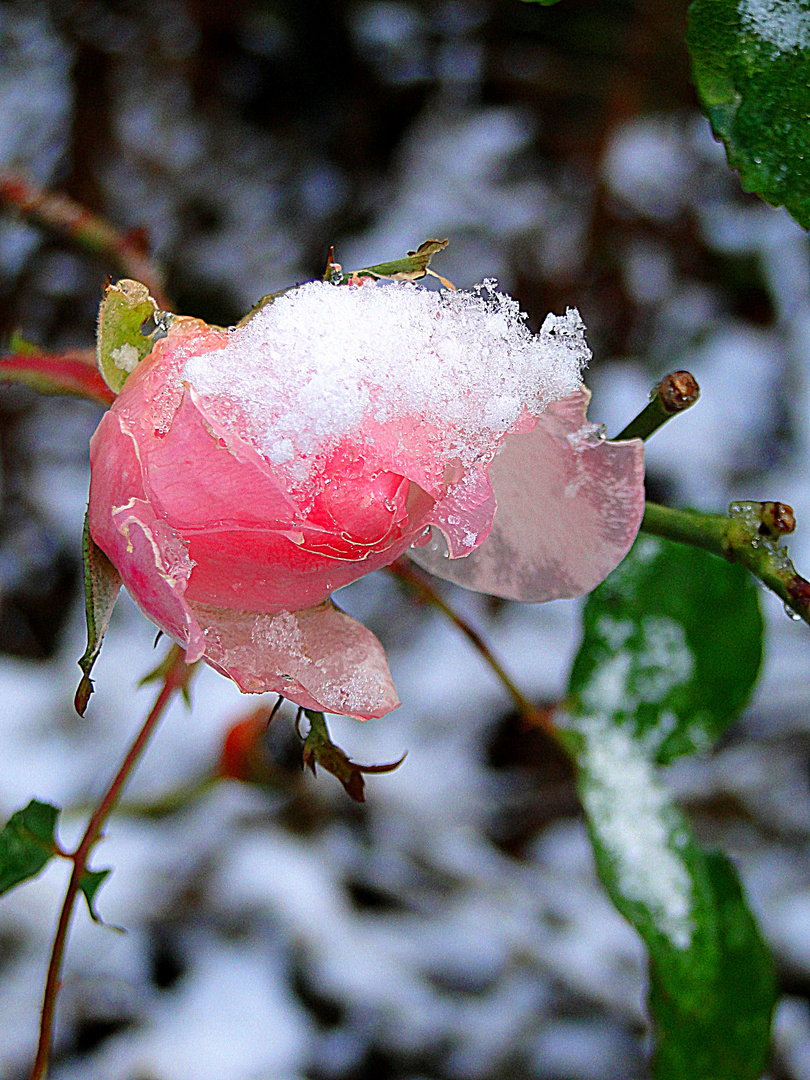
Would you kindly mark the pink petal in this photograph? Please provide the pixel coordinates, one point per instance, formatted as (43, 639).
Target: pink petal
(204, 476)
(569, 508)
(464, 514)
(151, 558)
(319, 658)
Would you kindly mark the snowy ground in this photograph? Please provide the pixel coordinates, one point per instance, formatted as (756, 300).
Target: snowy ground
(453, 927)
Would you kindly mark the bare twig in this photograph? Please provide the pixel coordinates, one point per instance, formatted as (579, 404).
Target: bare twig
(59, 213)
(532, 715)
(175, 678)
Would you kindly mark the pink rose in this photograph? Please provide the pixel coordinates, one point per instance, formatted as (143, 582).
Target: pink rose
(242, 476)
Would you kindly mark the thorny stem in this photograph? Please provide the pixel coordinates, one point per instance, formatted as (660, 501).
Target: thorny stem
(532, 715)
(176, 678)
(749, 534)
(59, 213)
(676, 392)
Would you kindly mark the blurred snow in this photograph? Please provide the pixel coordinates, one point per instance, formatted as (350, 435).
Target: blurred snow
(286, 933)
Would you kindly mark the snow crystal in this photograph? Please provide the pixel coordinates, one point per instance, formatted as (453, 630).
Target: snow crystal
(634, 821)
(324, 362)
(783, 23)
(125, 357)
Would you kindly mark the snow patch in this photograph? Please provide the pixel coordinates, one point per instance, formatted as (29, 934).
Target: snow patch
(323, 363)
(634, 821)
(783, 23)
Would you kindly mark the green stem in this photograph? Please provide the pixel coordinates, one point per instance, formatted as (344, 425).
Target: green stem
(750, 534)
(175, 678)
(676, 392)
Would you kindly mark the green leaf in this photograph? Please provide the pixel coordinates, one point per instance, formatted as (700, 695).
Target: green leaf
(713, 1014)
(712, 986)
(129, 324)
(27, 843)
(414, 266)
(102, 583)
(671, 650)
(751, 65)
(89, 884)
(672, 647)
(319, 748)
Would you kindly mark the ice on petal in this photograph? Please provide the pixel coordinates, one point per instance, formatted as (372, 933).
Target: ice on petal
(568, 510)
(319, 658)
(465, 513)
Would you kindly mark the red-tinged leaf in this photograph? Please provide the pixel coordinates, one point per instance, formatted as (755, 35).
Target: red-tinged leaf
(72, 373)
(319, 748)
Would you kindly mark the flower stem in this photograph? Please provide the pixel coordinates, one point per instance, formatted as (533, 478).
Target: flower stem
(675, 393)
(415, 581)
(59, 213)
(749, 534)
(176, 678)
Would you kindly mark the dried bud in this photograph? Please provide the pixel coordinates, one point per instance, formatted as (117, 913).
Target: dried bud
(777, 519)
(678, 391)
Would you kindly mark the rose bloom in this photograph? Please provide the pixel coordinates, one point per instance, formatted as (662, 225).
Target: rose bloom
(241, 476)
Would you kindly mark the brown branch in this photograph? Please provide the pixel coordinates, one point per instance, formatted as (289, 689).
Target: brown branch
(61, 214)
(534, 716)
(176, 678)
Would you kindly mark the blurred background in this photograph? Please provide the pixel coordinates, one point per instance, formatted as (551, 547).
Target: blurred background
(452, 927)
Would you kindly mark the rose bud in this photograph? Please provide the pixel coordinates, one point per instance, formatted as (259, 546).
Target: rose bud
(243, 475)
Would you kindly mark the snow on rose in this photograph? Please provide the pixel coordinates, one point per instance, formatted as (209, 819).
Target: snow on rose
(241, 476)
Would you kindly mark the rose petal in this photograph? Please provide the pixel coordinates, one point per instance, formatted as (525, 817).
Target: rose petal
(465, 513)
(151, 558)
(569, 508)
(319, 658)
(204, 475)
(267, 571)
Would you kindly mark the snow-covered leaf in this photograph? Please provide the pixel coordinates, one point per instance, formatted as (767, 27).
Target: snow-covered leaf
(671, 650)
(712, 987)
(751, 62)
(672, 647)
(712, 1004)
(129, 323)
(27, 843)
